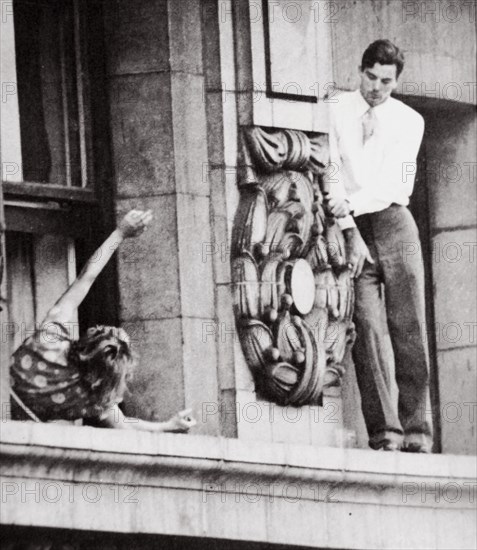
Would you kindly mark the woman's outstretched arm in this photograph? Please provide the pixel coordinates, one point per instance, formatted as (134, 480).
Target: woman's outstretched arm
(180, 423)
(133, 224)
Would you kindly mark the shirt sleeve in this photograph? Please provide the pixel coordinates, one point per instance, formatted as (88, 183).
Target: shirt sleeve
(337, 188)
(393, 180)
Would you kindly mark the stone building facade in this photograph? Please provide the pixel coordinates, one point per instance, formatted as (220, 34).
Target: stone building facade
(149, 105)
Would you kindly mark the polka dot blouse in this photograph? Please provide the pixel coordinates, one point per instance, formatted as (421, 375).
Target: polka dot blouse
(49, 385)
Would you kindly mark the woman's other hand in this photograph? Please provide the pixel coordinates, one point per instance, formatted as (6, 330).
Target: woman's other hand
(182, 422)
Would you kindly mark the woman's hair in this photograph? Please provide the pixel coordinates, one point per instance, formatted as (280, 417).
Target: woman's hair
(383, 52)
(106, 361)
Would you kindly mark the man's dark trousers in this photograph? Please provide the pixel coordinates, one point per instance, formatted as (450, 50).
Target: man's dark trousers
(390, 235)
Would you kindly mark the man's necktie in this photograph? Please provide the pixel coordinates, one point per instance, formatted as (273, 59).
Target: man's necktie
(369, 124)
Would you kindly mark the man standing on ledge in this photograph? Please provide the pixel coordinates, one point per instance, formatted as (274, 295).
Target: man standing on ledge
(374, 140)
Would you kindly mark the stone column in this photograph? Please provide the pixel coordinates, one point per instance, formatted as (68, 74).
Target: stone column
(159, 130)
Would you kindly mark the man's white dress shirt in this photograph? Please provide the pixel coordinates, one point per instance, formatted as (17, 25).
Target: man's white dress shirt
(373, 173)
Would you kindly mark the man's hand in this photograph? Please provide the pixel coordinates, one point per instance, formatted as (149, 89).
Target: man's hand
(134, 223)
(182, 422)
(339, 207)
(356, 251)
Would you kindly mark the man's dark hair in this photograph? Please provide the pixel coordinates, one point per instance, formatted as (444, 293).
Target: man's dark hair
(383, 52)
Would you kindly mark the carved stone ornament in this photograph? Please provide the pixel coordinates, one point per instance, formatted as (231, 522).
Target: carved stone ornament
(293, 294)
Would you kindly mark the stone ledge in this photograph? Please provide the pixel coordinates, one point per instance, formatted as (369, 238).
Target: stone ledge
(225, 488)
(131, 444)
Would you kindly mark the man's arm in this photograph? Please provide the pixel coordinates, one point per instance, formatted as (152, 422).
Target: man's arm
(133, 224)
(356, 252)
(337, 204)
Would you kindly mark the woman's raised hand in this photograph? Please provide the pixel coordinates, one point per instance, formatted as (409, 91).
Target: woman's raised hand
(135, 222)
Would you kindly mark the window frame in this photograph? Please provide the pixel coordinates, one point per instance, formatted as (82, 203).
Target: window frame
(85, 214)
(68, 209)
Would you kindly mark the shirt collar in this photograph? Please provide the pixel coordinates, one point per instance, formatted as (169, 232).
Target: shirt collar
(362, 106)
(360, 103)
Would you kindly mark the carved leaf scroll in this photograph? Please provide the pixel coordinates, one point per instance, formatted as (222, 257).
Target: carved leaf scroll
(293, 293)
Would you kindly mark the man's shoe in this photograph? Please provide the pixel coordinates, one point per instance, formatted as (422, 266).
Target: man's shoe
(390, 447)
(414, 448)
(386, 441)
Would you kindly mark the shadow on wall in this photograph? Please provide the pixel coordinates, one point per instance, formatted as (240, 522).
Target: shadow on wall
(444, 206)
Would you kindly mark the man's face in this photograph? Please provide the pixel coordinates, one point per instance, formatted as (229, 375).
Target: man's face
(377, 83)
